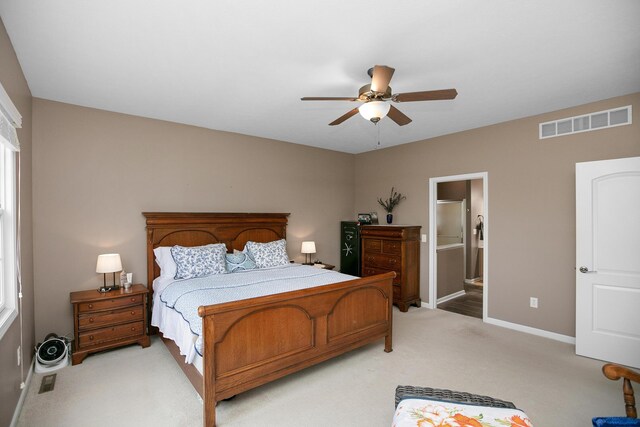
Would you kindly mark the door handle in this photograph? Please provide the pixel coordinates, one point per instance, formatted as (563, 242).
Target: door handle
(586, 270)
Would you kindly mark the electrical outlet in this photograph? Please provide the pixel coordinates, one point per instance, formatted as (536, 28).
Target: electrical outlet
(19, 353)
(533, 302)
(424, 238)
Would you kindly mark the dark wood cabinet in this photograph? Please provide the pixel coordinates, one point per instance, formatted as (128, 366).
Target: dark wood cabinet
(394, 248)
(109, 320)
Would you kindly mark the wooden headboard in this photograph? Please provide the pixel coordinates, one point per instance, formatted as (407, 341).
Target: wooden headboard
(203, 228)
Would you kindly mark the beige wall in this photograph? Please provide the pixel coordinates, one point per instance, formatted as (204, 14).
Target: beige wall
(531, 196)
(450, 271)
(16, 86)
(95, 172)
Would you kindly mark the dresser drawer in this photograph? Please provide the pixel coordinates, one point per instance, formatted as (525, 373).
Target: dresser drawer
(397, 291)
(102, 318)
(392, 247)
(370, 271)
(372, 245)
(389, 262)
(99, 336)
(111, 303)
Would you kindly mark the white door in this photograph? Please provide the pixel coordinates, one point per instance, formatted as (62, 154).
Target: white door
(608, 260)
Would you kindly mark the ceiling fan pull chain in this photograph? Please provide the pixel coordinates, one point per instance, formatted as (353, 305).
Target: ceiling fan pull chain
(377, 126)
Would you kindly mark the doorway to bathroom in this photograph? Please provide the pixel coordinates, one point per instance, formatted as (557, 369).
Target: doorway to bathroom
(458, 249)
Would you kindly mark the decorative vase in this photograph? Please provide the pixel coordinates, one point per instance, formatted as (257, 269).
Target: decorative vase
(389, 218)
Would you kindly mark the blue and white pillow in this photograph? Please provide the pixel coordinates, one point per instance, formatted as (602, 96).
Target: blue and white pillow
(239, 261)
(269, 254)
(199, 261)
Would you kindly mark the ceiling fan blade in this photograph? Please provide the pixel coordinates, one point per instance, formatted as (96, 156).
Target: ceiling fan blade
(344, 117)
(428, 95)
(381, 77)
(398, 116)
(328, 98)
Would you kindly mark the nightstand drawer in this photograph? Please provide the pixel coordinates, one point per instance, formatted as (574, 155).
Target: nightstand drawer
(382, 261)
(110, 303)
(101, 318)
(99, 336)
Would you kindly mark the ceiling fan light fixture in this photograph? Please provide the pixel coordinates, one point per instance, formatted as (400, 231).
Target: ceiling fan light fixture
(374, 110)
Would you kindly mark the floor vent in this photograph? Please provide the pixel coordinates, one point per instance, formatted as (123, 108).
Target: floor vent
(594, 121)
(47, 384)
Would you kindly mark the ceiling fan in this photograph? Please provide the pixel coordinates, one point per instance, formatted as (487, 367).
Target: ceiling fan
(376, 97)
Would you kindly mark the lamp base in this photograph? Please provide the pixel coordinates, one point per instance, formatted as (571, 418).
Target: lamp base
(106, 289)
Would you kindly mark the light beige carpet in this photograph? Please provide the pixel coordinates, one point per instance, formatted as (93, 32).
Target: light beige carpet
(144, 387)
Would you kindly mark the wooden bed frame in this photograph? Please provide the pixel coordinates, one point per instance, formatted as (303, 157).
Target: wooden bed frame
(251, 342)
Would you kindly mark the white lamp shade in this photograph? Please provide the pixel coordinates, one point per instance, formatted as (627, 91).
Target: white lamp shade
(108, 263)
(373, 109)
(308, 248)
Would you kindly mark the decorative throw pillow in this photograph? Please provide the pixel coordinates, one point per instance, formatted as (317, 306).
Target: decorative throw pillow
(239, 261)
(269, 254)
(199, 260)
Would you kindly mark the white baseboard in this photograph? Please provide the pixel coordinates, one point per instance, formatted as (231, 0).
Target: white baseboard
(450, 296)
(23, 396)
(529, 330)
(429, 305)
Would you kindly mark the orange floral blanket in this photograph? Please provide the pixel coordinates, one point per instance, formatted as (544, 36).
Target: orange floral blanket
(431, 413)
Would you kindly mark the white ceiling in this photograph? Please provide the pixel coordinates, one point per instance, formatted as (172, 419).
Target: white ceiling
(242, 66)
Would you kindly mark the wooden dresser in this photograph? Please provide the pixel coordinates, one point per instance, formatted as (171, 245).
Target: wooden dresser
(109, 320)
(394, 248)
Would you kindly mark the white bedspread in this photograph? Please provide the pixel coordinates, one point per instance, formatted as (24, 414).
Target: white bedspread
(176, 302)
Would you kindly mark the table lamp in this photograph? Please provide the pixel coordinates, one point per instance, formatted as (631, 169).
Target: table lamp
(308, 248)
(108, 263)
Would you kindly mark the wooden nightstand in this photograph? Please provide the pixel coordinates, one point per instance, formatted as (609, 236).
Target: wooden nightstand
(109, 320)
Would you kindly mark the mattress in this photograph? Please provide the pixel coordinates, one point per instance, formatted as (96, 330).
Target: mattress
(176, 302)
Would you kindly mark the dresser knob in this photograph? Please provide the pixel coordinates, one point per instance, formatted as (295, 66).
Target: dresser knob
(91, 337)
(133, 328)
(133, 313)
(90, 319)
(133, 300)
(90, 305)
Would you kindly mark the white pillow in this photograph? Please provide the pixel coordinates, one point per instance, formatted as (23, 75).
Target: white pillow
(168, 267)
(269, 254)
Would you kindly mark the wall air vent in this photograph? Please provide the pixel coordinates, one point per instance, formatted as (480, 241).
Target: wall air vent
(594, 121)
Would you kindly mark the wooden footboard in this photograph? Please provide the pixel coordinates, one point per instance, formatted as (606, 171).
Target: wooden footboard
(251, 342)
